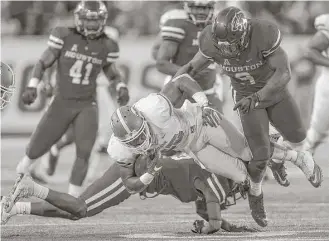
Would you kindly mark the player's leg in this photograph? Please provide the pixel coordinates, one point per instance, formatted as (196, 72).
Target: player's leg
(292, 129)
(105, 192)
(85, 128)
(51, 127)
(319, 126)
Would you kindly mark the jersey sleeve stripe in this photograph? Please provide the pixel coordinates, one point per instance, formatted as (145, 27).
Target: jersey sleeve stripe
(274, 47)
(111, 60)
(173, 29)
(54, 45)
(113, 55)
(56, 40)
(172, 35)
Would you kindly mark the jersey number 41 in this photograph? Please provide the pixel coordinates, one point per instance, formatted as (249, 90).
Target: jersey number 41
(76, 72)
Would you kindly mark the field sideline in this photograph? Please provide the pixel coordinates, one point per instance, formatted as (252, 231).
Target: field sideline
(299, 212)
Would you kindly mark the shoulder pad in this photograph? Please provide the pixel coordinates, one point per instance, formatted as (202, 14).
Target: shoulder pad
(173, 29)
(112, 33)
(112, 48)
(156, 109)
(271, 36)
(173, 14)
(206, 45)
(57, 37)
(321, 24)
(119, 153)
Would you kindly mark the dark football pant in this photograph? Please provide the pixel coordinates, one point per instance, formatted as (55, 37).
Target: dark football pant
(215, 102)
(285, 117)
(83, 115)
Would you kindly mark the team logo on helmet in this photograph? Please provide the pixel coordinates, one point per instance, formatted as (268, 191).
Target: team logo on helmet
(239, 22)
(7, 84)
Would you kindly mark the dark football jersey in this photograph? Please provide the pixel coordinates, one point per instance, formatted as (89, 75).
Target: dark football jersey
(250, 71)
(80, 61)
(186, 33)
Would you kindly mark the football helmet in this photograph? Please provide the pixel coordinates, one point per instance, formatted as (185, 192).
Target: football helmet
(230, 31)
(131, 129)
(7, 84)
(90, 18)
(200, 11)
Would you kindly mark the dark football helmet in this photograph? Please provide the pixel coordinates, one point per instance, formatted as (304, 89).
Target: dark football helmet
(7, 84)
(200, 11)
(230, 31)
(90, 18)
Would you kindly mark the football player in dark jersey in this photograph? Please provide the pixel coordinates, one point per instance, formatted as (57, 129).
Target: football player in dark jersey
(248, 50)
(81, 54)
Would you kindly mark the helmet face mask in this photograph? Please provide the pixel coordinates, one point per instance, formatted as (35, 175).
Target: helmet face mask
(7, 85)
(90, 18)
(137, 138)
(230, 31)
(200, 12)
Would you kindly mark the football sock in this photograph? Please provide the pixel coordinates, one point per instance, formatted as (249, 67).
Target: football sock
(281, 154)
(40, 191)
(255, 188)
(21, 208)
(74, 190)
(23, 165)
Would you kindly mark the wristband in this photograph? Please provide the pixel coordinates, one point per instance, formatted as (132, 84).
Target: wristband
(120, 85)
(33, 83)
(146, 178)
(200, 98)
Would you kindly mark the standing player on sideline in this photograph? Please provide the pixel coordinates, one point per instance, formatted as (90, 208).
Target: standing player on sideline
(318, 53)
(180, 30)
(81, 53)
(248, 50)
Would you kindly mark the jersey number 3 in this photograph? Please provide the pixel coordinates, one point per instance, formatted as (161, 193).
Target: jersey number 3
(76, 73)
(245, 76)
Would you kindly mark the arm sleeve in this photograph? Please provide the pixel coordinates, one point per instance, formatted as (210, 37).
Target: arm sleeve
(272, 40)
(321, 24)
(173, 30)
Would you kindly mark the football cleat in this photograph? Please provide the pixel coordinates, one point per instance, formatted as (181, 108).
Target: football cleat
(23, 188)
(5, 216)
(311, 170)
(279, 173)
(258, 212)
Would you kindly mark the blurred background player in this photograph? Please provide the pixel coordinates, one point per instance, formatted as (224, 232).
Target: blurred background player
(81, 53)
(318, 53)
(177, 44)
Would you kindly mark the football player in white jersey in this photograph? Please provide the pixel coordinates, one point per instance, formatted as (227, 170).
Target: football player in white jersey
(318, 53)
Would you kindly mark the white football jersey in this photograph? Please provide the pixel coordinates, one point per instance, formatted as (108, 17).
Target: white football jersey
(321, 23)
(173, 129)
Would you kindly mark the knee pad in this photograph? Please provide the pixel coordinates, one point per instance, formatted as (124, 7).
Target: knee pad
(262, 153)
(258, 165)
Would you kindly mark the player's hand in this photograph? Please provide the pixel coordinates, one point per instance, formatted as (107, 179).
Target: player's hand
(197, 226)
(211, 116)
(242, 229)
(247, 104)
(123, 96)
(153, 165)
(48, 90)
(29, 95)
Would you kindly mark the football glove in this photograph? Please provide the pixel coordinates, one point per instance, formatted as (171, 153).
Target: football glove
(153, 164)
(197, 226)
(247, 104)
(48, 90)
(210, 116)
(123, 96)
(29, 95)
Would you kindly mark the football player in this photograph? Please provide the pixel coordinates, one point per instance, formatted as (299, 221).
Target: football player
(248, 50)
(180, 29)
(318, 53)
(81, 54)
(180, 177)
(191, 127)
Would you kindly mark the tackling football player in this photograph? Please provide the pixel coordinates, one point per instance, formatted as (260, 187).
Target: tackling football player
(81, 54)
(318, 53)
(248, 50)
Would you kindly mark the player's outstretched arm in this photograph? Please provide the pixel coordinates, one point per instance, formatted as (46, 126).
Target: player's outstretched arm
(278, 61)
(114, 76)
(197, 64)
(167, 51)
(318, 43)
